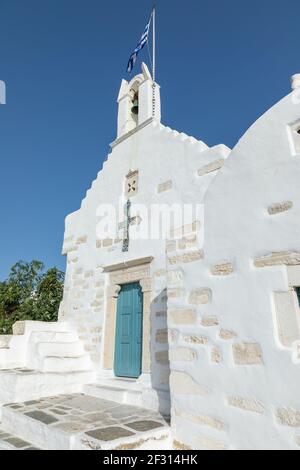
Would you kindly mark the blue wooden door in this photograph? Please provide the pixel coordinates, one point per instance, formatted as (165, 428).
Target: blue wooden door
(128, 348)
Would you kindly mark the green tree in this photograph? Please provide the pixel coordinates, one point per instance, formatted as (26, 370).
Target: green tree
(29, 293)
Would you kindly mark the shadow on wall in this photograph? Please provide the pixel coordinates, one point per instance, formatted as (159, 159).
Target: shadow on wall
(159, 347)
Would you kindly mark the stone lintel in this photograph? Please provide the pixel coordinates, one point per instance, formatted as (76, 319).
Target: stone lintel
(127, 264)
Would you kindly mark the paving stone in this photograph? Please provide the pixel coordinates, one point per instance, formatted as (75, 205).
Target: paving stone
(33, 402)
(143, 426)
(87, 403)
(16, 442)
(41, 416)
(58, 412)
(110, 433)
(72, 427)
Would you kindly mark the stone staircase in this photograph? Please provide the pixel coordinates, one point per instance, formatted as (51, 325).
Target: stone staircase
(42, 359)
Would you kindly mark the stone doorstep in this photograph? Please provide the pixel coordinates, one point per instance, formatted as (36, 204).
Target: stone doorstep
(118, 394)
(78, 421)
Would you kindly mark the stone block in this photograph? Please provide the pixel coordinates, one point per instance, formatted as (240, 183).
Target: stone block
(182, 383)
(162, 336)
(175, 278)
(213, 166)
(81, 240)
(209, 320)
(177, 445)
(247, 354)
(176, 293)
(280, 207)
(246, 404)
(223, 269)
(288, 258)
(227, 334)
(200, 296)
(166, 186)
(289, 417)
(183, 316)
(216, 355)
(189, 241)
(162, 357)
(189, 257)
(182, 354)
(195, 339)
(202, 420)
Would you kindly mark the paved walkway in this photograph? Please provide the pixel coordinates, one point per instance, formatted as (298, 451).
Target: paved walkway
(95, 420)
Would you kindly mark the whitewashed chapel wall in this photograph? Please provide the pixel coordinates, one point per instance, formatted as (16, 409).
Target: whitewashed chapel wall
(234, 380)
(167, 164)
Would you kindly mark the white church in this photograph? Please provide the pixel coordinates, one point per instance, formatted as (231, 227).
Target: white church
(180, 322)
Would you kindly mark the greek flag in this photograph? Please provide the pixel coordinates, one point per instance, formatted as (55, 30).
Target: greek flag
(139, 47)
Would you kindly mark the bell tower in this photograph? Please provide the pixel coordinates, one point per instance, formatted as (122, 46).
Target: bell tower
(136, 103)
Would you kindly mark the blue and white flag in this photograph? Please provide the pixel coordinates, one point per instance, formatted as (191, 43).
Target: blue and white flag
(139, 47)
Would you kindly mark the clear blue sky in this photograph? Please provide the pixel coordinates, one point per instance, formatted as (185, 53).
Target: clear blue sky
(221, 64)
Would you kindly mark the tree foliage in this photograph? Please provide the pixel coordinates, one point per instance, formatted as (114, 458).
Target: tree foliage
(30, 293)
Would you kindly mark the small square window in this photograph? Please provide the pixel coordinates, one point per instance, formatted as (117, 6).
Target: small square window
(131, 184)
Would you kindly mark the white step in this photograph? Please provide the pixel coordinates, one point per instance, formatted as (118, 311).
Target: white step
(5, 341)
(66, 364)
(120, 395)
(23, 385)
(25, 327)
(56, 337)
(74, 349)
(123, 383)
(9, 358)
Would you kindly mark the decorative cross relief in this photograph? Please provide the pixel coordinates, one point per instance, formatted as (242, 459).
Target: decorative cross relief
(125, 226)
(131, 188)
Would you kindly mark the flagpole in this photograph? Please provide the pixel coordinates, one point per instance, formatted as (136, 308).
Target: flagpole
(154, 59)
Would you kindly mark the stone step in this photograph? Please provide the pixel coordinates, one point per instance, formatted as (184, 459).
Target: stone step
(82, 422)
(53, 337)
(66, 364)
(11, 442)
(120, 382)
(25, 327)
(74, 349)
(120, 395)
(19, 385)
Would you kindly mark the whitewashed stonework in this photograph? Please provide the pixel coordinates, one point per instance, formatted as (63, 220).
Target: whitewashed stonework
(221, 316)
(252, 214)
(161, 167)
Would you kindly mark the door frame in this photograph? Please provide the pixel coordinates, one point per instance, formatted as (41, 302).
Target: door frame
(119, 274)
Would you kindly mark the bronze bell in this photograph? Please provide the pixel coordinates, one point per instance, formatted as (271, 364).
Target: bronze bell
(135, 107)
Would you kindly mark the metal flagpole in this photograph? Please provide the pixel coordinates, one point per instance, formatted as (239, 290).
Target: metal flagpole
(154, 59)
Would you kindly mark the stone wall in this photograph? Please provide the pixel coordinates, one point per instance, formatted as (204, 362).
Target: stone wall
(235, 373)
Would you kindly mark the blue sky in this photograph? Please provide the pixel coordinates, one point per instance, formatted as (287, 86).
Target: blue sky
(220, 65)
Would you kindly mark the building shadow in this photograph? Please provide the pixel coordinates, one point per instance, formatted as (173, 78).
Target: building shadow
(159, 348)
